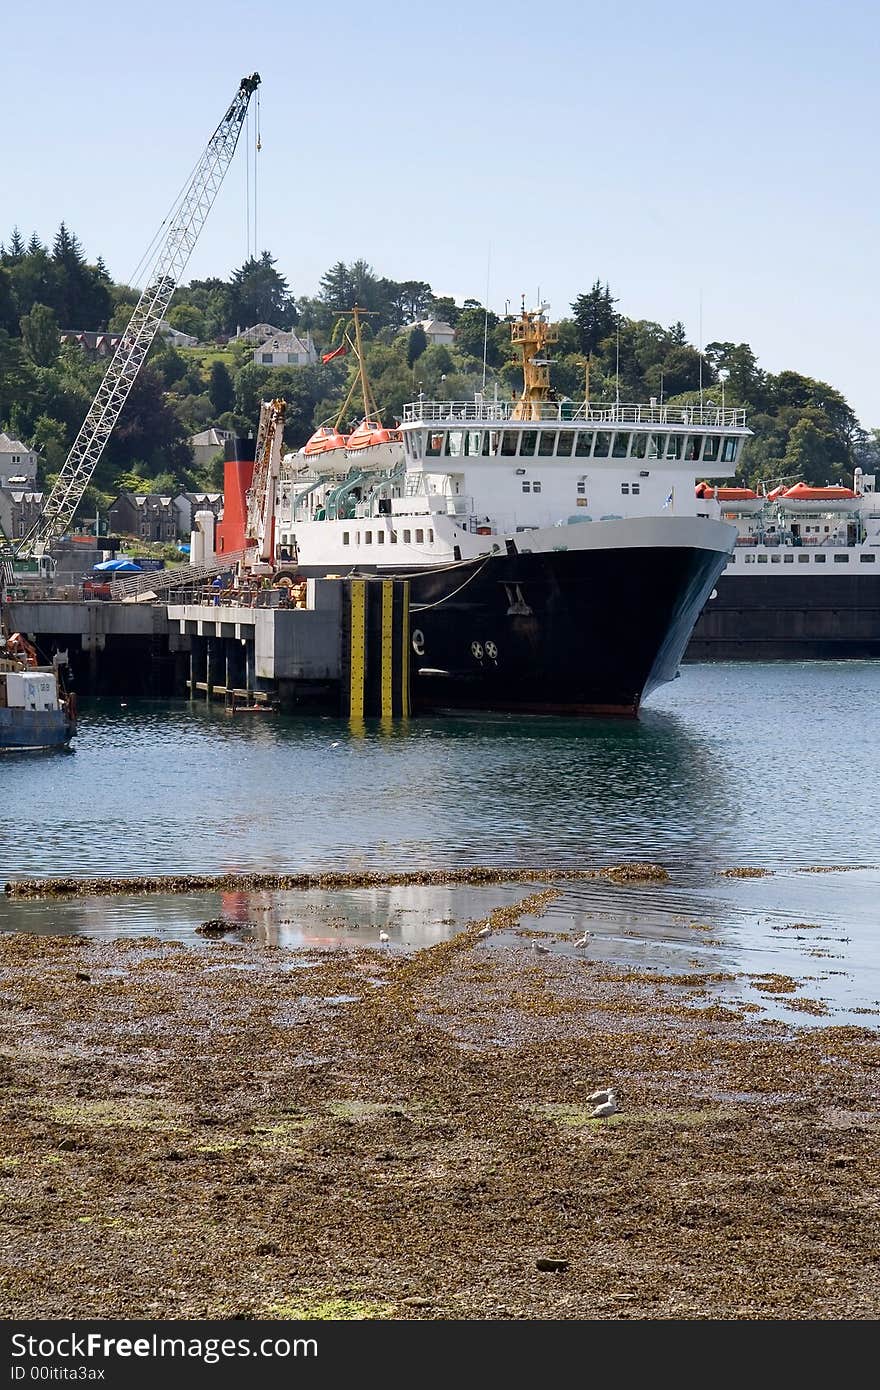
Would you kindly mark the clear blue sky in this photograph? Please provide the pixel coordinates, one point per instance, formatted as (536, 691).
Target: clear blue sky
(680, 151)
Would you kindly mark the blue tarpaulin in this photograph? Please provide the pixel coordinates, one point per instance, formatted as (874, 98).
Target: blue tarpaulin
(116, 567)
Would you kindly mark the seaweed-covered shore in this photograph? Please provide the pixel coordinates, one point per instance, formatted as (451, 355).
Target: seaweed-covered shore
(245, 1131)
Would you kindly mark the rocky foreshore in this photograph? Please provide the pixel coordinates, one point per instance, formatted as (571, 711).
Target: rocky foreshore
(244, 1131)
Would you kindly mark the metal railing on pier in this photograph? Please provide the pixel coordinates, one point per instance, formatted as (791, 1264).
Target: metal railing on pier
(132, 586)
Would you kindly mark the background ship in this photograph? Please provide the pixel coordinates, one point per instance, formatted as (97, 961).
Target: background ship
(803, 581)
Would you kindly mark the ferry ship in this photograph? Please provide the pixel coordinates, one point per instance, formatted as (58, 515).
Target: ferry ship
(557, 552)
(803, 580)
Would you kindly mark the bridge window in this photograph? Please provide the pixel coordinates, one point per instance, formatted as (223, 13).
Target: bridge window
(639, 446)
(474, 441)
(621, 446)
(692, 448)
(674, 446)
(563, 448)
(710, 448)
(435, 446)
(584, 444)
(455, 443)
(603, 445)
(527, 444)
(509, 441)
(547, 443)
(729, 451)
(656, 446)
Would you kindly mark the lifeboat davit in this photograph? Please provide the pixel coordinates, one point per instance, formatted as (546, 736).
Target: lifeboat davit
(804, 498)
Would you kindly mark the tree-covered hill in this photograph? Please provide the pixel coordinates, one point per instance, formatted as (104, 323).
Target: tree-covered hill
(803, 427)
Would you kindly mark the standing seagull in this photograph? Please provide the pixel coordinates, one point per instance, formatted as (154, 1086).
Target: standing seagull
(583, 940)
(541, 950)
(485, 931)
(384, 937)
(610, 1107)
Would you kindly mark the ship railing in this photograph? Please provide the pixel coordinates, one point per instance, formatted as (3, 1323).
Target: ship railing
(568, 412)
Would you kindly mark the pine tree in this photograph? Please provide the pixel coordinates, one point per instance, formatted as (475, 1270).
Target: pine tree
(16, 250)
(34, 246)
(66, 248)
(595, 316)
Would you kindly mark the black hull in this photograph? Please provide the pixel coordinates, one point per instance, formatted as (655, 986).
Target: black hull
(569, 632)
(790, 618)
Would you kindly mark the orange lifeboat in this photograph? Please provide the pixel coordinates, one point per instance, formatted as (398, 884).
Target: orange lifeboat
(325, 439)
(727, 494)
(370, 432)
(802, 492)
(777, 492)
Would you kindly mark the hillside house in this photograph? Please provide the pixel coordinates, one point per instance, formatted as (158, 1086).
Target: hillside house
(17, 461)
(286, 350)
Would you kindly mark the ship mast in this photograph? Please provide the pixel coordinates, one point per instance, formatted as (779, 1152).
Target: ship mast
(532, 332)
(371, 411)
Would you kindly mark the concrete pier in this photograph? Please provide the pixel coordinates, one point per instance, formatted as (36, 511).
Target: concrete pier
(346, 650)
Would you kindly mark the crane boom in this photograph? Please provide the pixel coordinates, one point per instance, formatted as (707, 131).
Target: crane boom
(174, 252)
(261, 496)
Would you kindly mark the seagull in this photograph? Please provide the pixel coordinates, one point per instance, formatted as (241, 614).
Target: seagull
(335, 745)
(583, 940)
(610, 1107)
(485, 931)
(600, 1097)
(383, 936)
(541, 950)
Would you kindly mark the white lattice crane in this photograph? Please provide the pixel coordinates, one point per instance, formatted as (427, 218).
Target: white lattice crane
(168, 265)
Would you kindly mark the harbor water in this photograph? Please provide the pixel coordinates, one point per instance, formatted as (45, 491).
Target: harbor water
(772, 767)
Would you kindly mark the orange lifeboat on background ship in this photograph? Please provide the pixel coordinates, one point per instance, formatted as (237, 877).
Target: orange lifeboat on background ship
(325, 439)
(802, 492)
(727, 494)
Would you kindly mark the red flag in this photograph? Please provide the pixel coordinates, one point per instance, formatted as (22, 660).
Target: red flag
(339, 352)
